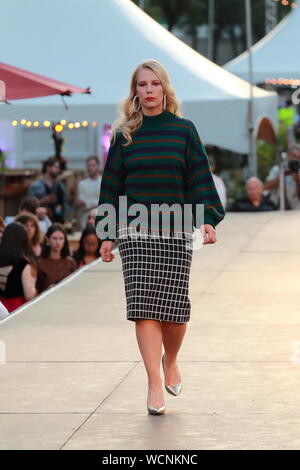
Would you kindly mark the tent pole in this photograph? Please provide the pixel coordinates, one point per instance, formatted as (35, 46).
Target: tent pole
(252, 161)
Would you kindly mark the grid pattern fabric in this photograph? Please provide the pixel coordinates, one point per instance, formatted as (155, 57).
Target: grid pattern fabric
(156, 269)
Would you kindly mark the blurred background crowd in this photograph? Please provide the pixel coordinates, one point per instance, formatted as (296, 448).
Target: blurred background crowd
(37, 249)
(47, 228)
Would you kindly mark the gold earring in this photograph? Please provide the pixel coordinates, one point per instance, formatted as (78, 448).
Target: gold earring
(133, 104)
(165, 101)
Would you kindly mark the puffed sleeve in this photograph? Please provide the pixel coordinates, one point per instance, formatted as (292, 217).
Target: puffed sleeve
(200, 186)
(112, 185)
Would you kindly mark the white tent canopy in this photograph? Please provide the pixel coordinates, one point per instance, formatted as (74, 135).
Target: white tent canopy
(276, 55)
(99, 44)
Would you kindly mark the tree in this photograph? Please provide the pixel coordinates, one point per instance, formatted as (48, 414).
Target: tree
(229, 18)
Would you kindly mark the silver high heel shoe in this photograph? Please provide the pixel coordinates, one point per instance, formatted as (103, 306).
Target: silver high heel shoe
(152, 410)
(156, 411)
(172, 389)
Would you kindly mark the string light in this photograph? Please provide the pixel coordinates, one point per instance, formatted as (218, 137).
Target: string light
(59, 128)
(60, 124)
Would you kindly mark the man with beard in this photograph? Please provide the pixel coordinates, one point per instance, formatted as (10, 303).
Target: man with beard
(50, 191)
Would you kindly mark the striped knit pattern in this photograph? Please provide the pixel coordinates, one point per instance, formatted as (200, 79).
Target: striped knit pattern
(166, 162)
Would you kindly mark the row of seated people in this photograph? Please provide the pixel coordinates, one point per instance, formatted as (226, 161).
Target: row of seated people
(33, 259)
(259, 195)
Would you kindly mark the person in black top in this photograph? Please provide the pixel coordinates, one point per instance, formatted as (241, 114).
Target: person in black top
(255, 200)
(89, 247)
(50, 191)
(17, 285)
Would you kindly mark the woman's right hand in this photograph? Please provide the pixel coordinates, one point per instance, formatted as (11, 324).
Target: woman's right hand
(105, 251)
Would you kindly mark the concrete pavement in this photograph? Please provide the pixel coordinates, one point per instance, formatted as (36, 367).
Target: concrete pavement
(74, 377)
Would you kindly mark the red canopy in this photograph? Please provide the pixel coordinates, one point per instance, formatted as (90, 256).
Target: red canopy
(20, 84)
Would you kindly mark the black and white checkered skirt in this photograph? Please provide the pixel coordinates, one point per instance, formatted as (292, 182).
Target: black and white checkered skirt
(156, 270)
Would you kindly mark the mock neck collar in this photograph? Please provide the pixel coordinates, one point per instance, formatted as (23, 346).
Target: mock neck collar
(157, 117)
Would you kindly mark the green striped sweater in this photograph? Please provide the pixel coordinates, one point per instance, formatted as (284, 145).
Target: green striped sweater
(166, 163)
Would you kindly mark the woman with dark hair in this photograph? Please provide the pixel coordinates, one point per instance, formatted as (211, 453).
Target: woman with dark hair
(31, 225)
(17, 285)
(55, 262)
(89, 247)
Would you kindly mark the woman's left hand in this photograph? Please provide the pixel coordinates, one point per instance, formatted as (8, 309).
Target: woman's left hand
(209, 234)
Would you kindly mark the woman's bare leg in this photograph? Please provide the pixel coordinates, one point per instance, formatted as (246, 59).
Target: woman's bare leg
(172, 336)
(149, 338)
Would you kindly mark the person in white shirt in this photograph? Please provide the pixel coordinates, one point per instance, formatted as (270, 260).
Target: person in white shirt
(291, 180)
(219, 183)
(88, 189)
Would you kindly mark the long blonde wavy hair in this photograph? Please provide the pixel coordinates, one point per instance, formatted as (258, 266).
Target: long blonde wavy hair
(130, 120)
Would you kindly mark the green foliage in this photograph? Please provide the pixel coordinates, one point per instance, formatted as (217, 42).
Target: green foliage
(229, 18)
(283, 136)
(265, 158)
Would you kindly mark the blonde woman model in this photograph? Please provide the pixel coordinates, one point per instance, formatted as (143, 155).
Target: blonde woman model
(155, 157)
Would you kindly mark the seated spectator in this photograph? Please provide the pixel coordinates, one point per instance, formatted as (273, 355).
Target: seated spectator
(44, 221)
(32, 204)
(92, 217)
(31, 225)
(50, 191)
(88, 189)
(291, 180)
(55, 262)
(17, 285)
(255, 200)
(89, 246)
(29, 204)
